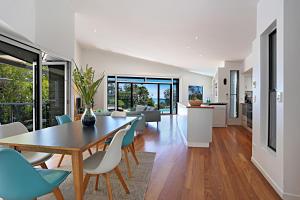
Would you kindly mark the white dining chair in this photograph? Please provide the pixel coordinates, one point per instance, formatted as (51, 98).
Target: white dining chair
(104, 162)
(34, 158)
(118, 114)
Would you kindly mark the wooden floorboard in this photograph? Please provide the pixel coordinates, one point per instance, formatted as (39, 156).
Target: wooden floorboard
(224, 171)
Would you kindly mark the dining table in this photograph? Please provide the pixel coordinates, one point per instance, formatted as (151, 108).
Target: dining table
(71, 139)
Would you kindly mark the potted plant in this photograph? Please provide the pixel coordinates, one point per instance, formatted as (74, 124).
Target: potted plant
(86, 87)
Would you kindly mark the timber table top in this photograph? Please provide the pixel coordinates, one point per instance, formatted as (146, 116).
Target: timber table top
(71, 136)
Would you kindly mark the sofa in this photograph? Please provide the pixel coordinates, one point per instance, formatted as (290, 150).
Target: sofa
(147, 113)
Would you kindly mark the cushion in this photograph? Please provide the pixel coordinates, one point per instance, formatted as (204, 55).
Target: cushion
(140, 108)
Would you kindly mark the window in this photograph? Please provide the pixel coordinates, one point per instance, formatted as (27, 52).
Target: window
(272, 91)
(111, 92)
(175, 95)
(125, 93)
(31, 93)
(234, 94)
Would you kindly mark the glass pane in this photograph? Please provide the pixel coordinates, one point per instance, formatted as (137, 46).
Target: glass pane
(159, 80)
(165, 98)
(272, 91)
(131, 79)
(175, 96)
(16, 91)
(145, 94)
(124, 96)
(53, 93)
(111, 95)
(234, 90)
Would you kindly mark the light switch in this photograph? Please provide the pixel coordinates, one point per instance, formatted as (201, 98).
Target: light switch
(279, 96)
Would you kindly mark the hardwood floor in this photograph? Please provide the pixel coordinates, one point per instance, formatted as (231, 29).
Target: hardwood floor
(224, 171)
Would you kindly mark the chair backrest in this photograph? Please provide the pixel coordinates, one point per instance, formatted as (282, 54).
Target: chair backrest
(18, 179)
(118, 114)
(12, 129)
(129, 137)
(113, 154)
(63, 119)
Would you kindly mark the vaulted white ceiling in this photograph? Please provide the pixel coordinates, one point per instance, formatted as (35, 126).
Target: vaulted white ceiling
(194, 34)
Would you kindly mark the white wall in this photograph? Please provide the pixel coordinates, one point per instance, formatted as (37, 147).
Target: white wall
(281, 168)
(268, 161)
(20, 16)
(291, 98)
(117, 64)
(47, 24)
(55, 27)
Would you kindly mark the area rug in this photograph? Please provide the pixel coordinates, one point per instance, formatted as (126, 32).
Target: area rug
(137, 184)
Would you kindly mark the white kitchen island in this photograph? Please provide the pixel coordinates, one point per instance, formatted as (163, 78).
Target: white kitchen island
(195, 124)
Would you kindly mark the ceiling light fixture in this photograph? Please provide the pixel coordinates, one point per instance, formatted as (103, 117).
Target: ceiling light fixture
(188, 47)
(196, 37)
(95, 30)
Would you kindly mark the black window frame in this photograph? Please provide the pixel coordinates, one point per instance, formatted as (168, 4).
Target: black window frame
(235, 94)
(272, 88)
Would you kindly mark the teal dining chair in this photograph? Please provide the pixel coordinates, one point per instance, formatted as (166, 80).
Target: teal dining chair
(127, 144)
(63, 119)
(19, 180)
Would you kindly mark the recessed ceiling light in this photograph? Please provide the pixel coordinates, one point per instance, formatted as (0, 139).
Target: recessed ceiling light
(95, 30)
(196, 37)
(200, 55)
(188, 47)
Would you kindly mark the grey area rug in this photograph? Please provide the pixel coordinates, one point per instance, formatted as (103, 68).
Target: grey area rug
(137, 184)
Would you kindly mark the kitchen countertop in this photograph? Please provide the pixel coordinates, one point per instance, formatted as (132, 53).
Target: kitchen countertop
(187, 105)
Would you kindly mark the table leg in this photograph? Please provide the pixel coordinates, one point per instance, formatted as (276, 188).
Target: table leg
(77, 165)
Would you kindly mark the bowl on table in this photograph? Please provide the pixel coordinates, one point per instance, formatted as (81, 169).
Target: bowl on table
(195, 102)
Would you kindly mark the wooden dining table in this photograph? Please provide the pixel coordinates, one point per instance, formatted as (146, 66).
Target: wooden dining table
(72, 139)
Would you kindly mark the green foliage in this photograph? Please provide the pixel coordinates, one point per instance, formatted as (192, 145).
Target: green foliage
(140, 96)
(85, 84)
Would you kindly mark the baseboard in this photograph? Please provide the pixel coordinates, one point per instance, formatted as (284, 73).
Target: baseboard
(269, 179)
(198, 144)
(288, 196)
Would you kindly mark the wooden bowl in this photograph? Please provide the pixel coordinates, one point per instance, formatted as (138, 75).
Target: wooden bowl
(195, 102)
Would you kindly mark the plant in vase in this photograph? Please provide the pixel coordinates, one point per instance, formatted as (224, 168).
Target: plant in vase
(86, 87)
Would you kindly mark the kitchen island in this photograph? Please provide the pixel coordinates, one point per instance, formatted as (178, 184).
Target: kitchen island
(195, 124)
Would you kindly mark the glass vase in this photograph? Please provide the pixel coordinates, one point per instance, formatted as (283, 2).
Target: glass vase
(88, 118)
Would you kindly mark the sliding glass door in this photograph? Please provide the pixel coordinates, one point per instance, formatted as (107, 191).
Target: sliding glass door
(165, 96)
(126, 93)
(30, 92)
(145, 94)
(16, 91)
(53, 91)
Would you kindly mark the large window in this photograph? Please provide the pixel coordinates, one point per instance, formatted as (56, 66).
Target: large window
(126, 93)
(234, 94)
(272, 91)
(31, 93)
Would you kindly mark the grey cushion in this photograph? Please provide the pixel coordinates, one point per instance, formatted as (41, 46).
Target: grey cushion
(140, 108)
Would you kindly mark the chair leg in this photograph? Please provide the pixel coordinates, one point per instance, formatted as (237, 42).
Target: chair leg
(109, 190)
(97, 182)
(104, 147)
(60, 160)
(133, 144)
(43, 165)
(121, 179)
(86, 182)
(90, 151)
(127, 162)
(57, 193)
(133, 154)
